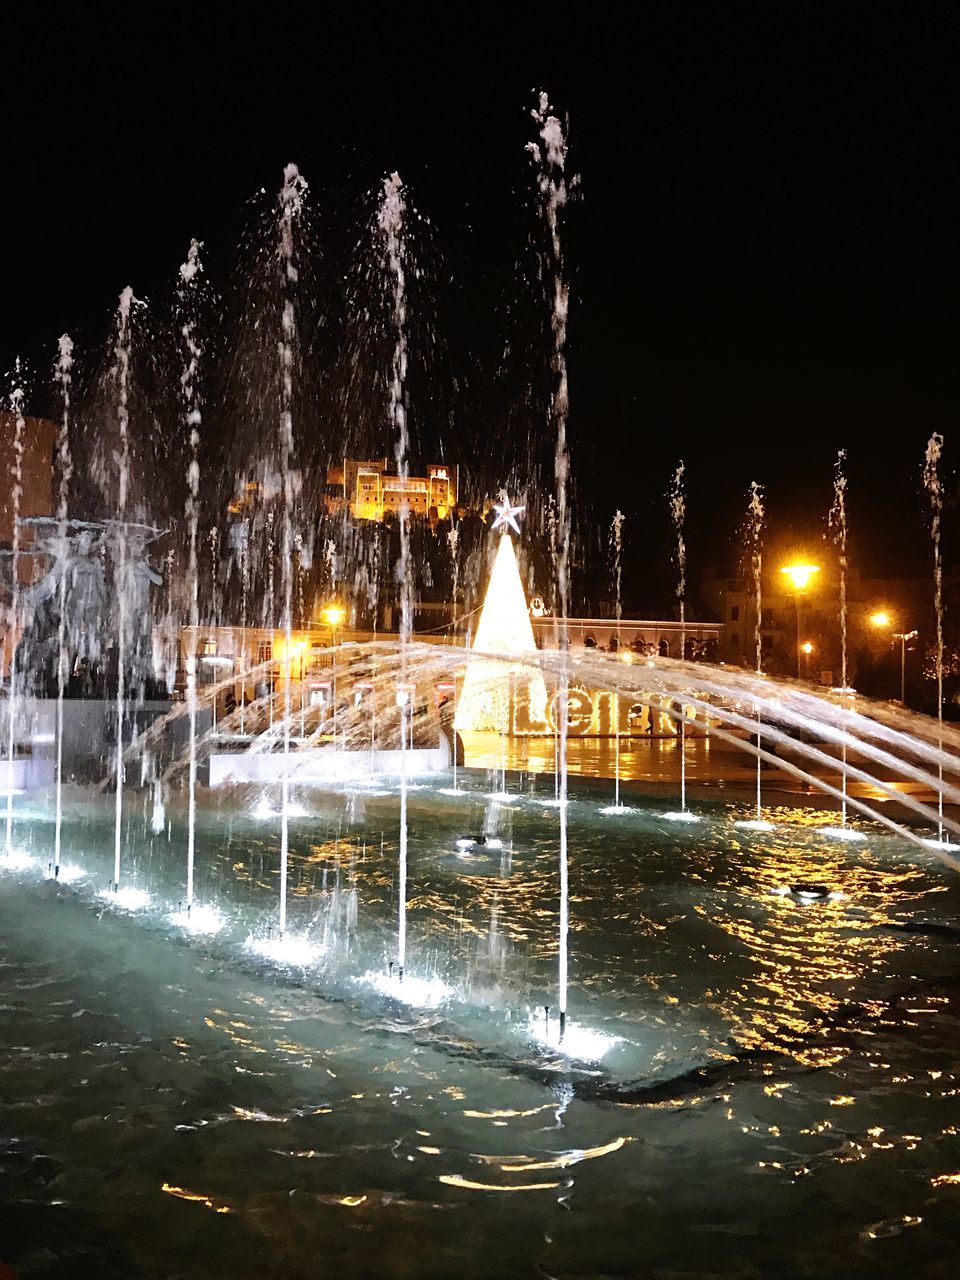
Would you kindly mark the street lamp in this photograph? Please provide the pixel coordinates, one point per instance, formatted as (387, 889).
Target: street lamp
(903, 637)
(333, 614)
(800, 576)
(881, 620)
(806, 649)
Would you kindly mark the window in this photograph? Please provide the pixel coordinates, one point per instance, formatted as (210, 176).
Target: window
(264, 651)
(209, 647)
(734, 613)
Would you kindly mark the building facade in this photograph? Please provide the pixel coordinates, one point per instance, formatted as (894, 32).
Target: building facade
(652, 637)
(802, 631)
(372, 489)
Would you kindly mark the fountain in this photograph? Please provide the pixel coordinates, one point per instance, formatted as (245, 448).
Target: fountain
(65, 376)
(616, 540)
(755, 519)
(355, 918)
(14, 620)
(551, 162)
(122, 358)
(192, 351)
(932, 483)
(678, 514)
(838, 524)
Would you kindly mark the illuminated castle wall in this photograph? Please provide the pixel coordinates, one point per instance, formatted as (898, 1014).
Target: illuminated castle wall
(373, 489)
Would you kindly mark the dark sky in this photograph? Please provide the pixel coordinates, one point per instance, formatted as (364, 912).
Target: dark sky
(764, 259)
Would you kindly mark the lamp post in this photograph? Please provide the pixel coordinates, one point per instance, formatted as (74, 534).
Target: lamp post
(882, 619)
(903, 637)
(800, 576)
(333, 614)
(806, 649)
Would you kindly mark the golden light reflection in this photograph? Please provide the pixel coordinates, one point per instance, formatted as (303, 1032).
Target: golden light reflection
(801, 961)
(508, 1115)
(196, 1197)
(455, 1180)
(566, 1158)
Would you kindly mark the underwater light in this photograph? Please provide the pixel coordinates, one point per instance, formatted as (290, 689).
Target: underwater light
(16, 860)
(422, 993)
(69, 873)
(808, 892)
(478, 842)
(264, 810)
(285, 948)
(850, 834)
(198, 918)
(579, 1042)
(126, 897)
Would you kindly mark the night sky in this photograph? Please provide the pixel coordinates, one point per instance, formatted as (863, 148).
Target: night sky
(763, 260)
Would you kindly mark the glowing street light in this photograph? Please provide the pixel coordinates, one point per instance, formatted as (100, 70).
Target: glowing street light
(903, 637)
(333, 614)
(881, 620)
(800, 577)
(806, 649)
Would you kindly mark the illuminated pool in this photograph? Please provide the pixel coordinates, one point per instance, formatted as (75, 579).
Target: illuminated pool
(746, 1077)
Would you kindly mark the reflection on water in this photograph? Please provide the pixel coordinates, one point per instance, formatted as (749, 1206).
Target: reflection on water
(710, 763)
(252, 1116)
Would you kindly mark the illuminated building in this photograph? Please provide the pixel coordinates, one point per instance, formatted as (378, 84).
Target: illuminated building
(373, 489)
(36, 498)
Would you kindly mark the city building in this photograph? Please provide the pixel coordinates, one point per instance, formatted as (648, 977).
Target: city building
(36, 498)
(652, 637)
(373, 489)
(800, 627)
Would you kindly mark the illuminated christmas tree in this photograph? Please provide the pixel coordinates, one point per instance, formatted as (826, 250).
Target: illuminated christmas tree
(497, 695)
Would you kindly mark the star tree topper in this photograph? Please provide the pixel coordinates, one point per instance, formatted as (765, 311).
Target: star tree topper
(507, 514)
